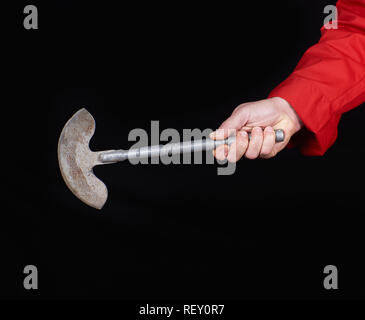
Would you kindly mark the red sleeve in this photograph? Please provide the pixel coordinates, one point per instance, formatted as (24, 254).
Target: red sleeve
(329, 79)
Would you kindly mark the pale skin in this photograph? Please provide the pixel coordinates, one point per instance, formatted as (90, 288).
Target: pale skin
(260, 118)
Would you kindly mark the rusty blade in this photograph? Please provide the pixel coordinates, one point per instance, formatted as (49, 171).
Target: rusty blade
(76, 160)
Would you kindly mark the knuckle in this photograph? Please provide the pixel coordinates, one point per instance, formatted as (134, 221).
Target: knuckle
(220, 132)
(236, 109)
(270, 134)
(220, 153)
(251, 155)
(265, 152)
(254, 146)
(256, 131)
(232, 158)
(242, 145)
(242, 148)
(239, 107)
(266, 156)
(269, 155)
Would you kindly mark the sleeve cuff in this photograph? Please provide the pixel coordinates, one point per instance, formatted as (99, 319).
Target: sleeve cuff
(314, 109)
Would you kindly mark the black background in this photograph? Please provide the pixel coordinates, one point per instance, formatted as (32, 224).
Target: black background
(170, 232)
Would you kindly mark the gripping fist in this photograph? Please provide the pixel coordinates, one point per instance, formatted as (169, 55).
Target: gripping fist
(261, 118)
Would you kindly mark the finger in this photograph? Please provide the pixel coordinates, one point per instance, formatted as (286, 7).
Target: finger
(268, 143)
(238, 118)
(221, 134)
(221, 152)
(238, 148)
(255, 144)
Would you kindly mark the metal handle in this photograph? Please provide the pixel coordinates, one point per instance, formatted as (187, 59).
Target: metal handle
(174, 148)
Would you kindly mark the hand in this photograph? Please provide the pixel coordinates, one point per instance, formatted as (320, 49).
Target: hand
(261, 118)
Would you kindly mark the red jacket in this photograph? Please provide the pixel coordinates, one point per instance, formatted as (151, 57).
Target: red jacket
(329, 79)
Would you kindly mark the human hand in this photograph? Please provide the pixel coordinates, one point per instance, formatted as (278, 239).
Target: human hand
(261, 118)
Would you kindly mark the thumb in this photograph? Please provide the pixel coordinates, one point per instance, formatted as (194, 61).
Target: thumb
(235, 122)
